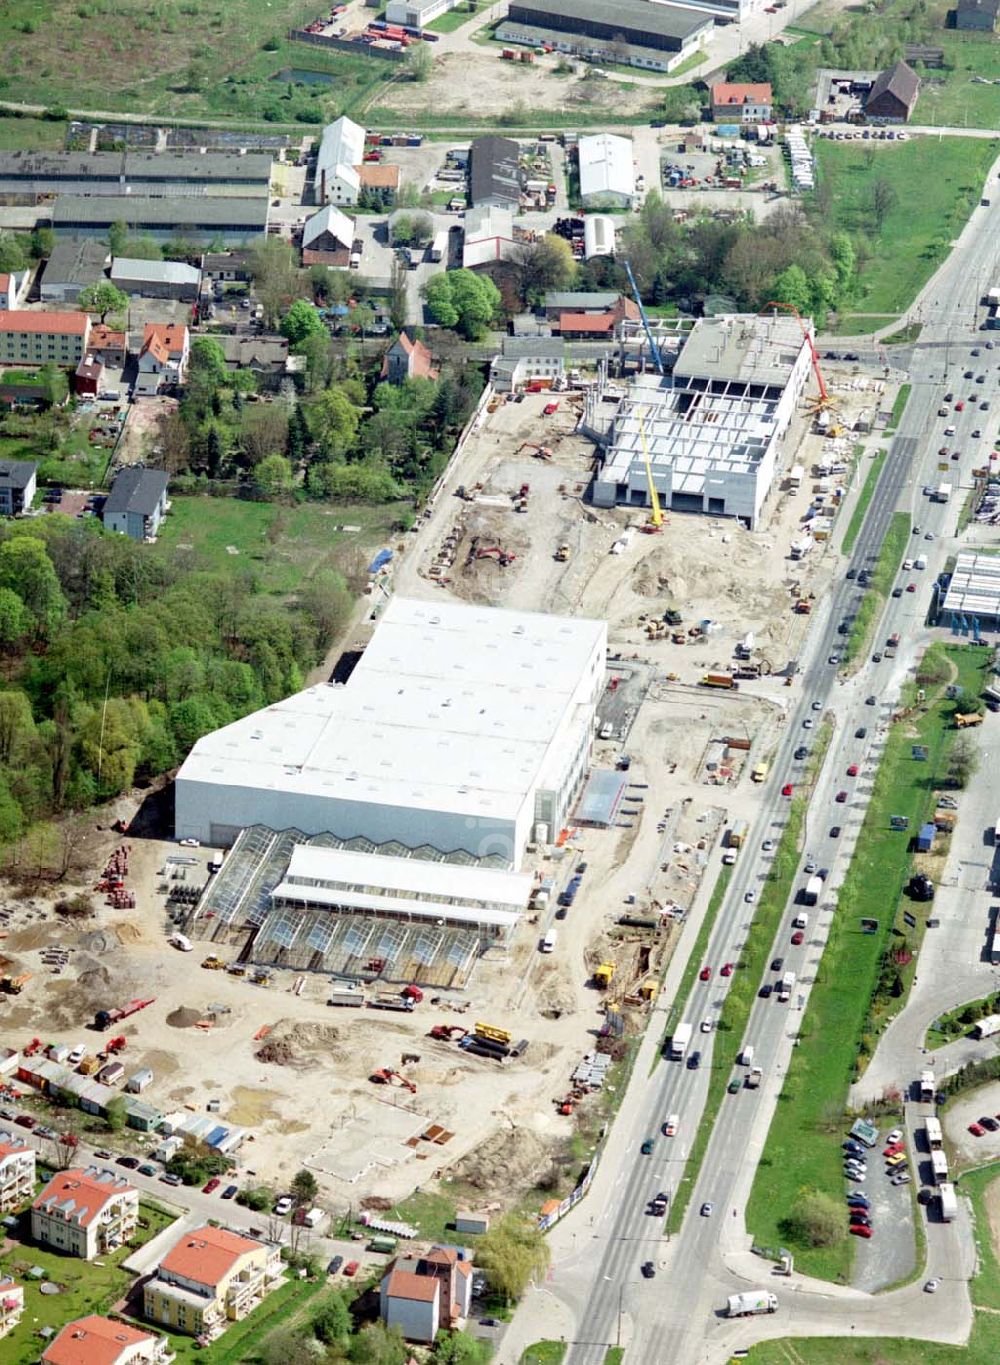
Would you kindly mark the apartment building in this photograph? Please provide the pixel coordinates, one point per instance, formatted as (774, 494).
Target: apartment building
(97, 1340)
(37, 338)
(210, 1277)
(85, 1212)
(17, 1174)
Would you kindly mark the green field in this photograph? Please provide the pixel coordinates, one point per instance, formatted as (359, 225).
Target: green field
(936, 183)
(31, 134)
(843, 1018)
(86, 1286)
(950, 98)
(177, 58)
(283, 546)
(453, 19)
(864, 499)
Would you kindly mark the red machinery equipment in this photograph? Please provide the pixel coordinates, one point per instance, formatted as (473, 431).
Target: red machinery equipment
(824, 400)
(103, 1019)
(386, 1076)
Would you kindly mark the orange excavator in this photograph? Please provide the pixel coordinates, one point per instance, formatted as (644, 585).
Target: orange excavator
(14, 985)
(386, 1076)
(446, 1033)
(503, 557)
(542, 452)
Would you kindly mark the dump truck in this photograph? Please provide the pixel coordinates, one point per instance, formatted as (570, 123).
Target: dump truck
(965, 720)
(725, 681)
(754, 1301)
(603, 975)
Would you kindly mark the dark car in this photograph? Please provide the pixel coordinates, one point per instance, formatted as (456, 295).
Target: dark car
(777, 964)
(129, 1162)
(229, 1191)
(26, 1120)
(989, 1124)
(694, 1061)
(648, 1269)
(147, 1169)
(852, 574)
(335, 1265)
(765, 991)
(801, 752)
(647, 1147)
(834, 831)
(860, 732)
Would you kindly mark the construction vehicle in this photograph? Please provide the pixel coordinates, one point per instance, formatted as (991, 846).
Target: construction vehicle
(655, 522)
(213, 963)
(103, 1019)
(803, 607)
(503, 557)
(33, 1047)
(14, 985)
(541, 452)
(521, 498)
(386, 1076)
(604, 974)
(824, 401)
(236, 969)
(759, 772)
(404, 1000)
(562, 553)
(447, 1033)
(116, 1045)
(963, 721)
(726, 681)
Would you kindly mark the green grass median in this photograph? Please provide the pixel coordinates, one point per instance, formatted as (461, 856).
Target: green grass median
(902, 398)
(863, 977)
(864, 500)
(739, 1001)
(870, 611)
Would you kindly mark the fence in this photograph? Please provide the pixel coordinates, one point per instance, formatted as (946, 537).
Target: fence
(298, 35)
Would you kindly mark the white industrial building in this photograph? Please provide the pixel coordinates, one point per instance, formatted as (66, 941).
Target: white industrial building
(462, 728)
(416, 13)
(598, 235)
(607, 175)
(972, 600)
(713, 429)
(338, 162)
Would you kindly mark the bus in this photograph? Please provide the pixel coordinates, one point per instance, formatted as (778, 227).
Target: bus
(932, 1127)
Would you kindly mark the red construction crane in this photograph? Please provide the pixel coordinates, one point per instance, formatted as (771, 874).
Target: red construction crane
(824, 400)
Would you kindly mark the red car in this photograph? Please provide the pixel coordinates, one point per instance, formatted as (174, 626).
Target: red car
(976, 1129)
(911, 587)
(705, 974)
(351, 1269)
(959, 406)
(798, 937)
(841, 797)
(727, 969)
(859, 1230)
(852, 770)
(893, 1148)
(26, 1121)
(786, 789)
(211, 1185)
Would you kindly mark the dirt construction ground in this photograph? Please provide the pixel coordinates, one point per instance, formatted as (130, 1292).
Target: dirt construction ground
(294, 1071)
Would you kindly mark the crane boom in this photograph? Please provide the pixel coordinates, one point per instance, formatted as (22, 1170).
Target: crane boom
(824, 397)
(656, 520)
(654, 350)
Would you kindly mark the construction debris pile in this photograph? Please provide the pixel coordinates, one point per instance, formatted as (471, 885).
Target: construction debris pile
(113, 880)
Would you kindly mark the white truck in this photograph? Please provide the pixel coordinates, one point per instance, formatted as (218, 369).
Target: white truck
(939, 1167)
(680, 1041)
(754, 1077)
(943, 493)
(987, 1027)
(927, 1086)
(813, 891)
(949, 1203)
(785, 987)
(750, 1303)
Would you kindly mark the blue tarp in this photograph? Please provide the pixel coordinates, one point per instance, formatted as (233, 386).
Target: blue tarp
(380, 561)
(216, 1135)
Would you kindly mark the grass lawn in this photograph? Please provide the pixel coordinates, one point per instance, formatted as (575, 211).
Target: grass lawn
(890, 556)
(902, 398)
(936, 184)
(85, 1286)
(947, 1027)
(73, 463)
(31, 134)
(740, 999)
(803, 1146)
(283, 545)
(614, 1355)
(861, 506)
(544, 1353)
(432, 1212)
(853, 324)
(950, 98)
(986, 1285)
(905, 336)
(242, 1340)
(178, 58)
(453, 19)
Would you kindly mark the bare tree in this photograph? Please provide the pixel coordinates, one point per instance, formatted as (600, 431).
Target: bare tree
(883, 201)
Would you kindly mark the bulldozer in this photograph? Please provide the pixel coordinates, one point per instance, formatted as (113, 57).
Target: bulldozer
(14, 985)
(213, 963)
(604, 974)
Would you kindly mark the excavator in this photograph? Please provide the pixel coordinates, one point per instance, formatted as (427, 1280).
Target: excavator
(541, 452)
(14, 985)
(447, 1033)
(503, 557)
(386, 1076)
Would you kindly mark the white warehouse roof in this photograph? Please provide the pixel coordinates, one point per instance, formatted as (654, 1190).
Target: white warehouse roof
(341, 151)
(329, 219)
(452, 709)
(158, 272)
(606, 166)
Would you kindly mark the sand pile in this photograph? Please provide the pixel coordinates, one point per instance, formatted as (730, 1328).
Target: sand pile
(510, 1160)
(184, 1017)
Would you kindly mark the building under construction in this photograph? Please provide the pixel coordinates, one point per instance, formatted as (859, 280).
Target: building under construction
(708, 436)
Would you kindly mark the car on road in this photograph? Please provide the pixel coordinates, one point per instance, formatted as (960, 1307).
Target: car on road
(229, 1192)
(648, 1269)
(46, 1132)
(807, 724)
(335, 1265)
(105, 1156)
(129, 1162)
(705, 974)
(210, 1186)
(876, 658)
(834, 831)
(976, 1129)
(929, 535)
(897, 592)
(283, 1205)
(694, 1061)
(871, 701)
(749, 899)
(706, 1026)
(190, 843)
(735, 1085)
(787, 789)
(800, 753)
(798, 937)
(170, 1178)
(147, 1169)
(706, 1209)
(959, 407)
(841, 797)
(852, 771)
(851, 575)
(351, 1269)
(778, 964)
(810, 865)
(855, 1197)
(932, 1286)
(859, 1230)
(968, 374)
(817, 706)
(765, 991)
(834, 659)
(849, 1145)
(990, 1124)
(727, 969)
(911, 587)
(767, 846)
(647, 1147)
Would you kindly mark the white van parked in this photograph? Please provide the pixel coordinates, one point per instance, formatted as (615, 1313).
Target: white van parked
(548, 943)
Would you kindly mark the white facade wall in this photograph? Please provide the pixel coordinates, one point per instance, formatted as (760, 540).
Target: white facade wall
(416, 13)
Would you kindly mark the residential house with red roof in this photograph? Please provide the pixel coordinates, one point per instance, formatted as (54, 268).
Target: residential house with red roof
(163, 359)
(427, 1294)
(597, 326)
(738, 102)
(209, 1278)
(96, 1340)
(406, 359)
(85, 1212)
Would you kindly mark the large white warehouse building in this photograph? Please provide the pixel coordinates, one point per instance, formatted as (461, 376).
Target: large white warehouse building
(461, 728)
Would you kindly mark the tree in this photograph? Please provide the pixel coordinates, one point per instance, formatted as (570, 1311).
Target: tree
(54, 384)
(117, 239)
(547, 264)
(792, 286)
(318, 353)
(302, 320)
(883, 200)
(114, 1114)
(273, 477)
(276, 276)
(26, 569)
(332, 1324)
(207, 362)
(458, 1348)
(963, 761)
(361, 318)
(103, 298)
(816, 1220)
(397, 293)
(334, 420)
(463, 300)
(377, 1344)
(264, 432)
(419, 62)
(513, 1253)
(304, 1188)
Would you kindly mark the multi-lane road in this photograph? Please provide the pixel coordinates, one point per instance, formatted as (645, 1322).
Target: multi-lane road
(597, 1277)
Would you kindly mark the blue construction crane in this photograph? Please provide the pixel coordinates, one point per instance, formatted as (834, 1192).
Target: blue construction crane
(654, 350)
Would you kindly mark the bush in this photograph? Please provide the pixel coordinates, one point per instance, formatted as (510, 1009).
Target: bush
(256, 1197)
(816, 1220)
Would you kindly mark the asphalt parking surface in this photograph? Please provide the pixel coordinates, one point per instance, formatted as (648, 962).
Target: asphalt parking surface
(891, 1254)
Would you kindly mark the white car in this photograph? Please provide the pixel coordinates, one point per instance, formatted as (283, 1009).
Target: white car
(190, 843)
(750, 897)
(894, 1136)
(283, 1206)
(706, 1026)
(767, 846)
(932, 1286)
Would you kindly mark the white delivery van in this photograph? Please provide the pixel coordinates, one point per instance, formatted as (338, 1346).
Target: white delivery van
(548, 943)
(801, 920)
(746, 1056)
